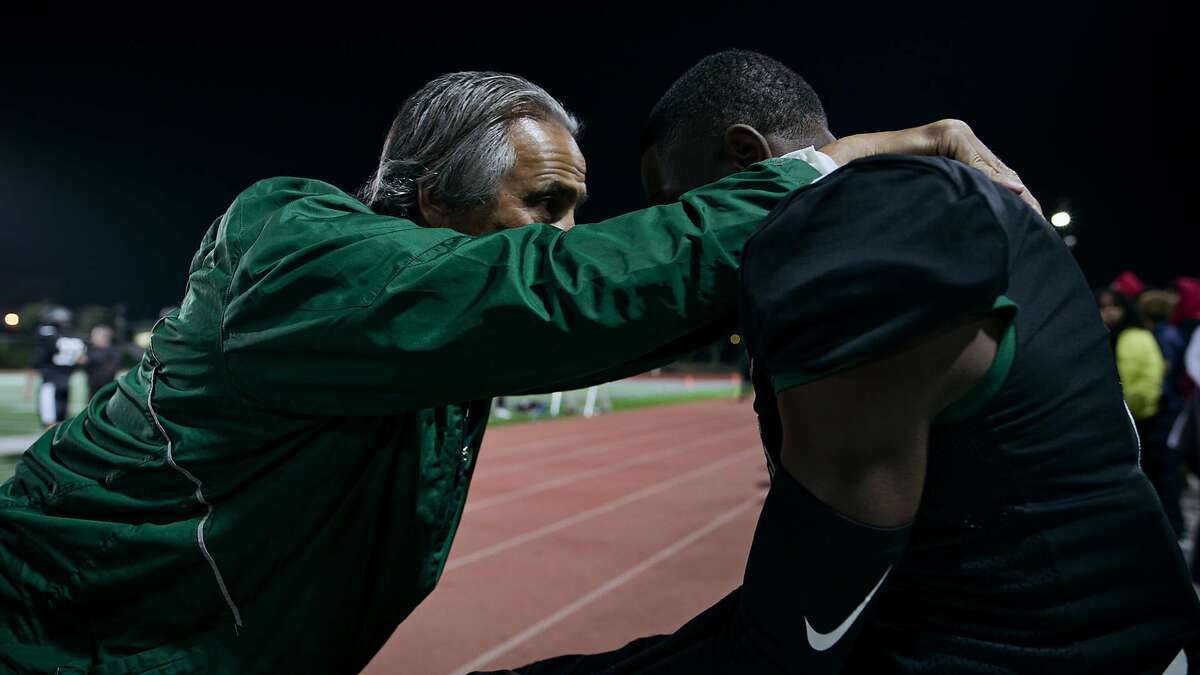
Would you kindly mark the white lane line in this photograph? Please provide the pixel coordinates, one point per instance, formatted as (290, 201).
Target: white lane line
(607, 587)
(475, 556)
(598, 471)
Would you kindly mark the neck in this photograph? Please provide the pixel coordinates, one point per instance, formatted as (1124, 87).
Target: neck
(782, 146)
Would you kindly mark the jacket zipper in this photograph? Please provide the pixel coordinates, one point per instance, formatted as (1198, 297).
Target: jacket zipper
(465, 453)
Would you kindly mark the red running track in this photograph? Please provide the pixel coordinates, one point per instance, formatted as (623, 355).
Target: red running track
(583, 534)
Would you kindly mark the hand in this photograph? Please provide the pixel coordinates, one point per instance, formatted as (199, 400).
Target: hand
(948, 138)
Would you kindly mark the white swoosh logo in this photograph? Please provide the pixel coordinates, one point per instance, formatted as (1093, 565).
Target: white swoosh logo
(823, 641)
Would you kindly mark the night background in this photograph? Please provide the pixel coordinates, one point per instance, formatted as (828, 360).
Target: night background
(119, 146)
(124, 135)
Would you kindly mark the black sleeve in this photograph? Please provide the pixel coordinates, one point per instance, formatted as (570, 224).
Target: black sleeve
(877, 255)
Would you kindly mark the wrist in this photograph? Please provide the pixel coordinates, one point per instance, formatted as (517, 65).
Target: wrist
(847, 149)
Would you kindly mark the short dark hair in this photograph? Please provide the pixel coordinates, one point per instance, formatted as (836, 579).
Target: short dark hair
(735, 87)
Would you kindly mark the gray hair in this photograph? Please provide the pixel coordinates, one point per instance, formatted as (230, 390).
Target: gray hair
(452, 138)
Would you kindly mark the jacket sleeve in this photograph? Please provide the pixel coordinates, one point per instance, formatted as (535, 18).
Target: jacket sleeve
(376, 315)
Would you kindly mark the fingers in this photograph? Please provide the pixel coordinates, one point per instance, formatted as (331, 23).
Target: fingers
(1001, 173)
(962, 144)
(966, 147)
(1032, 201)
(949, 137)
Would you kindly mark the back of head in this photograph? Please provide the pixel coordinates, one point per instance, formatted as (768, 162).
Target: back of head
(736, 87)
(1156, 305)
(1127, 315)
(1187, 310)
(451, 137)
(1128, 284)
(101, 335)
(58, 317)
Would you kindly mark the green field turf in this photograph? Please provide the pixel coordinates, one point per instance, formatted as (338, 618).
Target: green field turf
(18, 414)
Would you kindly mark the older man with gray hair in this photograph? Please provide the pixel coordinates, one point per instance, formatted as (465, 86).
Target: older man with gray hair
(276, 485)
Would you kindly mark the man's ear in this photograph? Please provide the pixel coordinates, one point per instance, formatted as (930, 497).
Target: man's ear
(742, 146)
(432, 211)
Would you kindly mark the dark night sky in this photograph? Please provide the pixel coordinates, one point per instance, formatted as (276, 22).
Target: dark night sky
(116, 152)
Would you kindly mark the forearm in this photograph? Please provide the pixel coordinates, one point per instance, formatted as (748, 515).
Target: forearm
(947, 138)
(532, 308)
(607, 299)
(829, 587)
(810, 582)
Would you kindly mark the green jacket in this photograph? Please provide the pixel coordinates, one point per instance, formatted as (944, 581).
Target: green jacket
(277, 484)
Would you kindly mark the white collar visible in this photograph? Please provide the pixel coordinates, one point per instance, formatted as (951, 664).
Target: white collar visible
(818, 160)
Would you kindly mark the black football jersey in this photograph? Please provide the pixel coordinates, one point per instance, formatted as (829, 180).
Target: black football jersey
(1039, 545)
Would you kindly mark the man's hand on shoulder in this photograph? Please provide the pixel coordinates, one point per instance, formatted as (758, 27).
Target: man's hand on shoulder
(948, 138)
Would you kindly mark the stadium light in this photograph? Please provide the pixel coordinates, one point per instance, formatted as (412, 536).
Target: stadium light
(12, 319)
(1060, 219)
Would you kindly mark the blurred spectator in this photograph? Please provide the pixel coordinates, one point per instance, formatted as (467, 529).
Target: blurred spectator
(1185, 435)
(1139, 360)
(1162, 462)
(500, 408)
(1187, 307)
(1128, 284)
(56, 356)
(1157, 308)
(103, 359)
(1191, 363)
(1187, 316)
(747, 384)
(1141, 368)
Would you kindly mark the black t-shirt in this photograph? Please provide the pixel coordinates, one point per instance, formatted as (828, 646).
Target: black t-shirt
(55, 354)
(1039, 545)
(101, 367)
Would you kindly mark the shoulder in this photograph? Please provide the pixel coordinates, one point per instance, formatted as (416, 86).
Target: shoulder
(290, 198)
(902, 181)
(279, 215)
(875, 257)
(893, 197)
